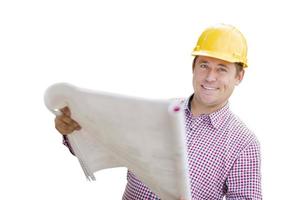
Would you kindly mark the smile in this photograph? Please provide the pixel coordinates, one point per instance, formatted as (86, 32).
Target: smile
(208, 88)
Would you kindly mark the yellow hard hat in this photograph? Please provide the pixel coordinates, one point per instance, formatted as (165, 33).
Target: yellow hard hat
(224, 42)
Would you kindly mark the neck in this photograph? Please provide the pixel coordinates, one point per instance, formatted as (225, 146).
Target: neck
(198, 108)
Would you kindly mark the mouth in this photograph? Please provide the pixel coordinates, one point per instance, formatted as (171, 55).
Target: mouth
(210, 88)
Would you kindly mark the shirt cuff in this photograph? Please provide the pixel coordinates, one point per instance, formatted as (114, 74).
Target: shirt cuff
(66, 142)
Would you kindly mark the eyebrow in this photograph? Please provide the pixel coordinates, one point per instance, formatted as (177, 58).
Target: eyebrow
(222, 65)
(206, 62)
(202, 61)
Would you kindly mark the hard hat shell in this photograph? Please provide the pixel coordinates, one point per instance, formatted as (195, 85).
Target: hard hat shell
(224, 42)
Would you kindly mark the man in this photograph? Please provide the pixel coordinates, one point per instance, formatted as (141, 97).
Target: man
(223, 154)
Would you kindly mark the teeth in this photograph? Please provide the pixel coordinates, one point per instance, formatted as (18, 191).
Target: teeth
(208, 88)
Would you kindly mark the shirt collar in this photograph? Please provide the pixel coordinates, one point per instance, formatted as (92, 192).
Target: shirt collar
(216, 118)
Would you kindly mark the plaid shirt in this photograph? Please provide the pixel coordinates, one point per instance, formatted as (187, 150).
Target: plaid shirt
(224, 159)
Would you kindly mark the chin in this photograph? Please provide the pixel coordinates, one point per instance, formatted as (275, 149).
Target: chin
(208, 101)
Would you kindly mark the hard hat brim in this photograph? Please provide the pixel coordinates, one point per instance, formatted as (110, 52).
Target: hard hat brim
(228, 58)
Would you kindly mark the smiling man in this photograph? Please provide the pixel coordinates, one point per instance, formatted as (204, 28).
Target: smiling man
(223, 154)
(213, 81)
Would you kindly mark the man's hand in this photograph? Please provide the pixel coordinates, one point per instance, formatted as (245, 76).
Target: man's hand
(64, 123)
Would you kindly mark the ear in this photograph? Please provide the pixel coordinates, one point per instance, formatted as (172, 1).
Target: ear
(239, 77)
(194, 62)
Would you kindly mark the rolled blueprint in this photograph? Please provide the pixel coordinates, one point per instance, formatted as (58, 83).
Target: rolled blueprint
(146, 136)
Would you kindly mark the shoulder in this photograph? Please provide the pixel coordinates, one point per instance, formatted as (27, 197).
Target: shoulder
(241, 143)
(240, 135)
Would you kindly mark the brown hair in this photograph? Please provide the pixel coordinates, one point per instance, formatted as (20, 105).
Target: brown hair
(239, 67)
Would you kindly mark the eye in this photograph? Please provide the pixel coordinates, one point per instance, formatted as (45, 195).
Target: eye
(203, 65)
(222, 69)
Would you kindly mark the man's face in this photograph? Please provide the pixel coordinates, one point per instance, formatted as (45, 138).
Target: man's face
(214, 81)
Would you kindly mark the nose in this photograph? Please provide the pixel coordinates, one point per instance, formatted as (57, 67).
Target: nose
(211, 75)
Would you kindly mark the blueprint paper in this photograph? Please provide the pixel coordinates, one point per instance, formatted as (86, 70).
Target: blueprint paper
(146, 136)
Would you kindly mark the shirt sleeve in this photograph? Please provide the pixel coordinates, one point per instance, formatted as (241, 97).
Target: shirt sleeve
(66, 142)
(244, 180)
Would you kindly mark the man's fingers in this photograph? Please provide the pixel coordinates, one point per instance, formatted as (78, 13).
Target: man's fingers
(65, 119)
(78, 127)
(61, 126)
(74, 125)
(64, 123)
(66, 111)
(68, 120)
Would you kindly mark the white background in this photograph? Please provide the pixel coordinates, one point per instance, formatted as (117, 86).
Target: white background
(139, 48)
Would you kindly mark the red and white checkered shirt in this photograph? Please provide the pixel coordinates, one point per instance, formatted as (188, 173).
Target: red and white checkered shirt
(224, 159)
